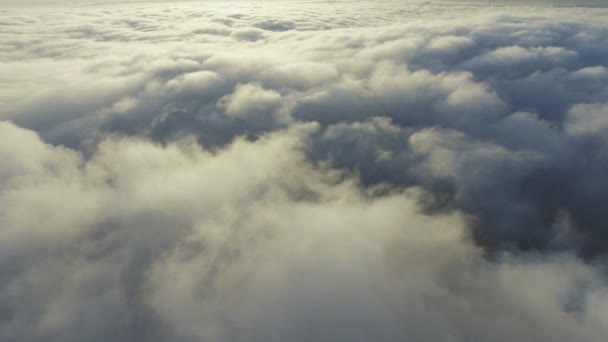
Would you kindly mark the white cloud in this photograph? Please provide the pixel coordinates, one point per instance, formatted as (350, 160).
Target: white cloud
(255, 243)
(250, 98)
(588, 119)
(303, 171)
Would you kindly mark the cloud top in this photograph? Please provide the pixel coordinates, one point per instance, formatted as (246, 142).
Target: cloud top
(303, 171)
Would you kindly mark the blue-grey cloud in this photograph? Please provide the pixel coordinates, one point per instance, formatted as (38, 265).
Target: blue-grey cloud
(301, 171)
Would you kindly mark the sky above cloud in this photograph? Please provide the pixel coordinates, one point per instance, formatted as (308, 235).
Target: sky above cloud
(303, 171)
(594, 3)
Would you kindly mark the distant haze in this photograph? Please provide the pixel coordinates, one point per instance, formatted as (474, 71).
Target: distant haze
(600, 3)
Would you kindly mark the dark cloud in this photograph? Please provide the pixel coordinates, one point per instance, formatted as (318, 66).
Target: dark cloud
(303, 171)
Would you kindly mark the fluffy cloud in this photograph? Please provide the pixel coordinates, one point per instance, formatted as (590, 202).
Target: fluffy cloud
(285, 171)
(255, 243)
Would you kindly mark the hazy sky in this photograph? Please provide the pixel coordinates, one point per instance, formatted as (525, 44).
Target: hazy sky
(496, 2)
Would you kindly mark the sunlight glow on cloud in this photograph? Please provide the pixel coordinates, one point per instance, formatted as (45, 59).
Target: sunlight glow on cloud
(301, 171)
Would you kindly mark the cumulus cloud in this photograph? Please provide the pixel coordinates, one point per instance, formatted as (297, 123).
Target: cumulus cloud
(255, 243)
(588, 119)
(248, 99)
(300, 171)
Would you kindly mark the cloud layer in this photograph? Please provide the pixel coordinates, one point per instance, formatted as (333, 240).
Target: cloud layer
(298, 171)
